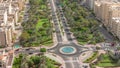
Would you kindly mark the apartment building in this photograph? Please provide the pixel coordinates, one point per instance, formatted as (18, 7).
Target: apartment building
(5, 29)
(90, 3)
(6, 58)
(108, 12)
(115, 27)
(19, 3)
(9, 14)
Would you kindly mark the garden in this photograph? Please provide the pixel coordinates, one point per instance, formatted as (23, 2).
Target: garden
(93, 57)
(38, 29)
(82, 22)
(35, 61)
(105, 60)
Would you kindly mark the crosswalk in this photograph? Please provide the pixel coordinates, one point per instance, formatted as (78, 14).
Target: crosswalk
(73, 59)
(75, 63)
(69, 61)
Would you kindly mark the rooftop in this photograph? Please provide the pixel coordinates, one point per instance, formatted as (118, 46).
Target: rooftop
(116, 19)
(2, 11)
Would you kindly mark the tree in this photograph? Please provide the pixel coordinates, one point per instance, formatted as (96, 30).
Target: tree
(43, 50)
(25, 36)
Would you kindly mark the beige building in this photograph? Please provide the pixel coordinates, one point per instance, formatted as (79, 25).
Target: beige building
(105, 10)
(90, 3)
(109, 13)
(5, 29)
(5, 36)
(115, 27)
(18, 3)
(9, 15)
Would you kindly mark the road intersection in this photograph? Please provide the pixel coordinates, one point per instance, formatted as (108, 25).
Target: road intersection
(64, 37)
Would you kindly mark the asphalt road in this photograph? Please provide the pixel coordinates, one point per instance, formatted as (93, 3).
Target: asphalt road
(55, 21)
(109, 37)
(71, 61)
(63, 23)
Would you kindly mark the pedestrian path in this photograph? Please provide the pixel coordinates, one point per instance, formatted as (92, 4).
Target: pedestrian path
(72, 59)
(56, 58)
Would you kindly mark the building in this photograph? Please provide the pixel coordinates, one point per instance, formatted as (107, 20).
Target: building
(6, 58)
(115, 54)
(9, 15)
(115, 27)
(108, 12)
(90, 3)
(19, 3)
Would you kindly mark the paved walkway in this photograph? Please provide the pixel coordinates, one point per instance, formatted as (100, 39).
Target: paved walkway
(85, 55)
(56, 58)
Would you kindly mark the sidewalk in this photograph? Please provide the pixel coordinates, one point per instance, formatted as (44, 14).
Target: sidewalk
(56, 58)
(85, 56)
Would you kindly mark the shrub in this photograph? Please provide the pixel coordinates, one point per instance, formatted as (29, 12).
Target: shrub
(43, 50)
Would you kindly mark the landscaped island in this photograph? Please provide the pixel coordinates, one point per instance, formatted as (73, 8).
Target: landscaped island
(82, 22)
(106, 61)
(38, 29)
(35, 61)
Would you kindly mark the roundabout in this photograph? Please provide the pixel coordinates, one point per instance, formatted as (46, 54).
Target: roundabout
(67, 50)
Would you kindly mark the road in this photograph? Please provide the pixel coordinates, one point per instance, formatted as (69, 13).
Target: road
(55, 21)
(65, 26)
(109, 37)
(59, 21)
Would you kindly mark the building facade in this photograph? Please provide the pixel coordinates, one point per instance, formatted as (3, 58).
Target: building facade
(108, 12)
(9, 15)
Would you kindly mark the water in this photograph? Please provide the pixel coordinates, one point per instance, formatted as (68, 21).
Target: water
(16, 46)
(67, 49)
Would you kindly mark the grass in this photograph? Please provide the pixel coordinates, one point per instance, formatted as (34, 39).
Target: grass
(43, 6)
(82, 43)
(93, 57)
(36, 60)
(40, 23)
(106, 64)
(48, 43)
(85, 27)
(106, 61)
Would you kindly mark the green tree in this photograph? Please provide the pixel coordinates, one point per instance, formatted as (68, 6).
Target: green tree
(43, 50)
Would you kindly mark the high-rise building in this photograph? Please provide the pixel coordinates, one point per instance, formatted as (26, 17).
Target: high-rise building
(109, 13)
(9, 14)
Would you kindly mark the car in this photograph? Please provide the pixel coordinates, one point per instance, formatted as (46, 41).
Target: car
(61, 10)
(85, 66)
(56, 23)
(67, 30)
(17, 49)
(30, 53)
(27, 49)
(70, 39)
(55, 20)
(58, 31)
(68, 33)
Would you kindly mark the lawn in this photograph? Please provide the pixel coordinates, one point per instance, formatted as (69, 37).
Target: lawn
(83, 26)
(40, 23)
(48, 43)
(38, 29)
(106, 61)
(93, 57)
(35, 61)
(106, 64)
(43, 6)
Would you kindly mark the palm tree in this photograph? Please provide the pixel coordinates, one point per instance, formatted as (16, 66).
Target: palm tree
(24, 61)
